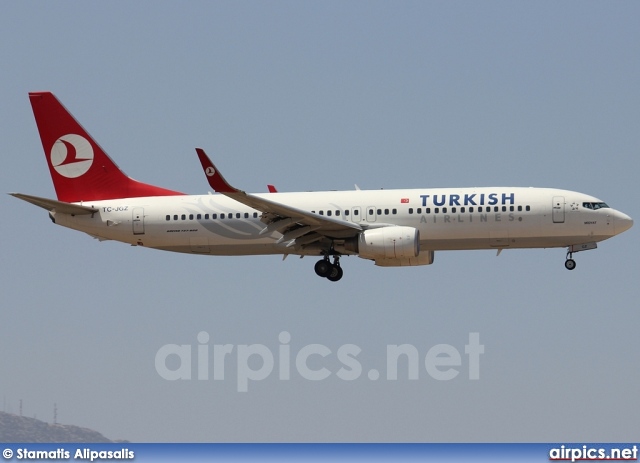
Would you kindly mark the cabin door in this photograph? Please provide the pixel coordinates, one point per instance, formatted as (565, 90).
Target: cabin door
(138, 221)
(558, 209)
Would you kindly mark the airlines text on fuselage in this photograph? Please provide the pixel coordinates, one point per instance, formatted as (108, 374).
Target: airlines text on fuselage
(473, 199)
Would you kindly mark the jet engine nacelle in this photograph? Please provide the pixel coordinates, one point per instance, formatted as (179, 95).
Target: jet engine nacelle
(389, 243)
(425, 258)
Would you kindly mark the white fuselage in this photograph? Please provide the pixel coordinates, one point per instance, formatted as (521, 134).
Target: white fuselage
(447, 219)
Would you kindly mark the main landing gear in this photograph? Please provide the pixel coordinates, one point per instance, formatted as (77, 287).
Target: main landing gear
(325, 269)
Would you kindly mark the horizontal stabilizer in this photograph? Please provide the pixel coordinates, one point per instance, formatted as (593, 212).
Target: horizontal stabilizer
(57, 206)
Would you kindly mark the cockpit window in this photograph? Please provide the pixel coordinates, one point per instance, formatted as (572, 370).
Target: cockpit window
(594, 206)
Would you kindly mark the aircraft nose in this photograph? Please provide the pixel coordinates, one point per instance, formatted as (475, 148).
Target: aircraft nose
(622, 222)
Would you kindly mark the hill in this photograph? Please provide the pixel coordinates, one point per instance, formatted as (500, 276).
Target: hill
(14, 428)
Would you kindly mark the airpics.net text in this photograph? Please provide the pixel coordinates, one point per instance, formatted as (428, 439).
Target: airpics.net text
(257, 362)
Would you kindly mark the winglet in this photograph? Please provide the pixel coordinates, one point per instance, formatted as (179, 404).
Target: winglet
(215, 178)
(272, 189)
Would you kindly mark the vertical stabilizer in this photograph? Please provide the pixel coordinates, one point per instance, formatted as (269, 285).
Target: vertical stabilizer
(80, 169)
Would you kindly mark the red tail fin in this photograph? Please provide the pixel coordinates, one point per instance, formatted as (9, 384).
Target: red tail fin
(80, 169)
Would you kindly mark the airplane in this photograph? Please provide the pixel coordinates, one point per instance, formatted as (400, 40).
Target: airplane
(392, 228)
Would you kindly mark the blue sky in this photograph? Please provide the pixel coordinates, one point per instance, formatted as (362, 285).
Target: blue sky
(314, 96)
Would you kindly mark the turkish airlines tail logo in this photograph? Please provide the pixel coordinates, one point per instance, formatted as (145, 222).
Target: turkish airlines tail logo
(71, 155)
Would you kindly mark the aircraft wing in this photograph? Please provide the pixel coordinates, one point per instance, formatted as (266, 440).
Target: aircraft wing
(57, 206)
(298, 226)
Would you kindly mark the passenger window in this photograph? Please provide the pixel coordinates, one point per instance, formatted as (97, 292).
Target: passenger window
(183, 217)
(214, 216)
(519, 208)
(222, 215)
(206, 217)
(255, 215)
(190, 216)
(504, 208)
(346, 212)
(337, 213)
(462, 210)
(246, 215)
(495, 209)
(379, 211)
(175, 217)
(321, 212)
(511, 208)
(168, 217)
(453, 210)
(410, 210)
(471, 209)
(394, 211)
(419, 210)
(328, 213)
(444, 210)
(436, 210)
(238, 215)
(386, 212)
(528, 208)
(356, 212)
(370, 211)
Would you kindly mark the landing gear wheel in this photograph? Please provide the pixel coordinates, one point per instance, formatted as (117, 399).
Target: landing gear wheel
(323, 268)
(570, 264)
(336, 273)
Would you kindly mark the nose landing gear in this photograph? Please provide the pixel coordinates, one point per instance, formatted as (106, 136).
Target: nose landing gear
(569, 264)
(331, 271)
